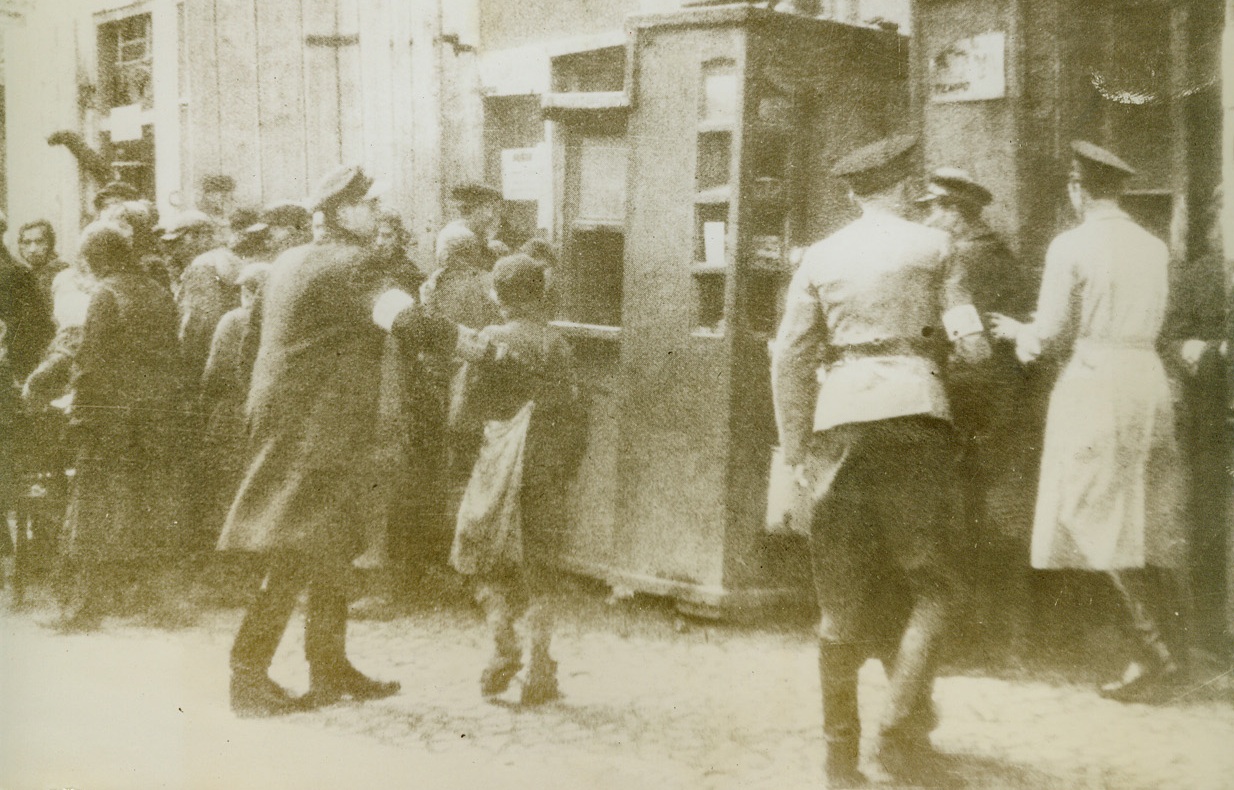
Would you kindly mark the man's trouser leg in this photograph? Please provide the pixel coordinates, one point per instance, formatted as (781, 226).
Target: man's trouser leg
(267, 617)
(841, 552)
(909, 714)
(1135, 593)
(916, 514)
(325, 625)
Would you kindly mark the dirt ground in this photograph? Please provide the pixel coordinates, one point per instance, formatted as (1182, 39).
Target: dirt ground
(652, 700)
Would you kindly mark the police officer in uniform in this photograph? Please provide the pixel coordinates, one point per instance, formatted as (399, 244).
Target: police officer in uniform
(1111, 486)
(873, 307)
(994, 413)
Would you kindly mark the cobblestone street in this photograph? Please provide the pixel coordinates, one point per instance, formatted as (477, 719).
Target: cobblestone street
(651, 700)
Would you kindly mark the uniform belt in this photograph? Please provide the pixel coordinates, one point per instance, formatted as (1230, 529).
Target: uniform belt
(891, 347)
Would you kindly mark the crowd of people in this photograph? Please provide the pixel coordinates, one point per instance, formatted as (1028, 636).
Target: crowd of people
(189, 383)
(293, 386)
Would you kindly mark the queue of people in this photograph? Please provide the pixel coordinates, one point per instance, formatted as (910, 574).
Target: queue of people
(904, 349)
(205, 394)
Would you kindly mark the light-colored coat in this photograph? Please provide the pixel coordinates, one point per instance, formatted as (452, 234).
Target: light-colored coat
(879, 280)
(1109, 489)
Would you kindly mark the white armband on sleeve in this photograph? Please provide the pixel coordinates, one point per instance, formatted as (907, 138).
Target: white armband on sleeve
(962, 321)
(389, 305)
(1027, 345)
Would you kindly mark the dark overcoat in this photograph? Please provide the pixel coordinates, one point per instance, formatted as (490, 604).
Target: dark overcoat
(224, 389)
(540, 369)
(127, 409)
(313, 409)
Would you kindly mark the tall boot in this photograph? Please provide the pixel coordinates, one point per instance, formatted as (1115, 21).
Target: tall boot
(331, 675)
(904, 749)
(541, 683)
(838, 664)
(253, 693)
(506, 659)
(1155, 670)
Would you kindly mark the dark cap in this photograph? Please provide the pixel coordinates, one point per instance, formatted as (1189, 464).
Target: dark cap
(287, 214)
(957, 184)
(473, 193)
(347, 184)
(1088, 155)
(518, 279)
(115, 190)
(877, 165)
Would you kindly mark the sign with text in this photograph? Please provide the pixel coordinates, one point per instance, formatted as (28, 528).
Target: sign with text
(524, 173)
(970, 69)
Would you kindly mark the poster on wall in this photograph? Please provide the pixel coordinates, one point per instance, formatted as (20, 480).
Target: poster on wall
(970, 69)
(524, 173)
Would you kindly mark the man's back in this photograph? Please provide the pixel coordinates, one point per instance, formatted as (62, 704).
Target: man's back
(871, 296)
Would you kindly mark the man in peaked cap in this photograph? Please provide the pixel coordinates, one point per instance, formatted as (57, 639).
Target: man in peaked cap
(877, 306)
(480, 210)
(1110, 486)
(307, 501)
(993, 411)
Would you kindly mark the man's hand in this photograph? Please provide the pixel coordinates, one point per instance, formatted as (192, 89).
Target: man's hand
(799, 475)
(1003, 327)
(1191, 351)
(389, 305)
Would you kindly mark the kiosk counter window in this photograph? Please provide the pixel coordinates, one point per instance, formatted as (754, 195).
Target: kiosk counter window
(593, 265)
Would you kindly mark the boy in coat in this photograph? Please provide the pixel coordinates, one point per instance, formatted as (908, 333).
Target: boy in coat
(512, 581)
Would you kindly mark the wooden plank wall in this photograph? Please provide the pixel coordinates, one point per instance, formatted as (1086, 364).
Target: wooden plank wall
(43, 181)
(281, 93)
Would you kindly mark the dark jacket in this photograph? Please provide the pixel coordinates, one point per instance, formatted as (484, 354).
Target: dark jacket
(540, 368)
(313, 408)
(984, 395)
(127, 383)
(26, 313)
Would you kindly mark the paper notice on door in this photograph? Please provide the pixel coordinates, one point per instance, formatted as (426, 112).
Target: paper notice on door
(125, 123)
(713, 243)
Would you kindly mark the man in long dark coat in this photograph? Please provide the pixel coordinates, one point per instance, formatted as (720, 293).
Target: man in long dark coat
(308, 496)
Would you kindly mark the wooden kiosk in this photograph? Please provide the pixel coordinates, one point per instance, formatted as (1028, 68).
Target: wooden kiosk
(691, 162)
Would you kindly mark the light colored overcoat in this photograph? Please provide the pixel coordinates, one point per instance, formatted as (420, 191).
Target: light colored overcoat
(1109, 491)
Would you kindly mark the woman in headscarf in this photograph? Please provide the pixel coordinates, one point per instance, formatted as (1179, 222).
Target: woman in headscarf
(125, 417)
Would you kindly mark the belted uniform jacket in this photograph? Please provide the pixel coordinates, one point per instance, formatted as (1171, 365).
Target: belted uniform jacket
(1109, 491)
(863, 336)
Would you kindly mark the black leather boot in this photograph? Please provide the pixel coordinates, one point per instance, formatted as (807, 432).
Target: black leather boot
(838, 665)
(254, 694)
(333, 682)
